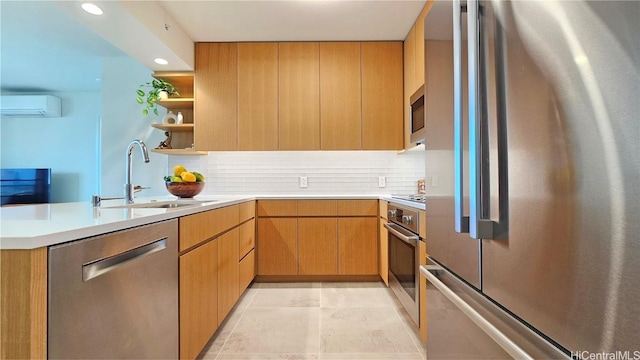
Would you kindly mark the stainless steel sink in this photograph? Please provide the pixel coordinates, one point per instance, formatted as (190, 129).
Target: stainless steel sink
(163, 204)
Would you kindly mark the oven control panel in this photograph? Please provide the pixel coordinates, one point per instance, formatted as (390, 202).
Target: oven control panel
(403, 216)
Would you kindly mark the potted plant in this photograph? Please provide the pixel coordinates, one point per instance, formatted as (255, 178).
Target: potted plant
(159, 90)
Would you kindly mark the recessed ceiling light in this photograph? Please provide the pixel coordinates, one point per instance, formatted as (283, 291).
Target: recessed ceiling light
(161, 61)
(92, 8)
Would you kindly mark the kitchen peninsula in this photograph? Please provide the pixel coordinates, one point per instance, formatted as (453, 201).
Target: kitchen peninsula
(29, 232)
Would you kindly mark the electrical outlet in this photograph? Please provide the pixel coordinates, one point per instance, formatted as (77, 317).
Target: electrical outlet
(434, 181)
(382, 181)
(303, 181)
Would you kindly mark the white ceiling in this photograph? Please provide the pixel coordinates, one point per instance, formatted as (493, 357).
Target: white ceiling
(295, 20)
(46, 49)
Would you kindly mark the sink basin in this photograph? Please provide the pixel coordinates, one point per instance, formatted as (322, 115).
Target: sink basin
(163, 204)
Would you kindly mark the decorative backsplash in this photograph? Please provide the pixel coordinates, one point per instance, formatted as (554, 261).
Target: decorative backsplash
(327, 172)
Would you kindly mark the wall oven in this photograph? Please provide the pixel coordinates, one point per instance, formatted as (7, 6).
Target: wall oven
(404, 257)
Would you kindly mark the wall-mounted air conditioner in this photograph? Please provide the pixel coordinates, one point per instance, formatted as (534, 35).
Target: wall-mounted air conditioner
(30, 105)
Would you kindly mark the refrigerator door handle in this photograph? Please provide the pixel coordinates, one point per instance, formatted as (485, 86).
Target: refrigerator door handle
(461, 221)
(481, 226)
(500, 338)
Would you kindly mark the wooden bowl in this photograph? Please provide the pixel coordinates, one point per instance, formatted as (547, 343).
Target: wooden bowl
(185, 189)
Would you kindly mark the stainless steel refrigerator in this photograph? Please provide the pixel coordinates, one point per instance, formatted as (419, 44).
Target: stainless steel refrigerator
(533, 179)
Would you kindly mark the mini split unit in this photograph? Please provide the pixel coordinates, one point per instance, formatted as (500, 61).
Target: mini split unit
(30, 106)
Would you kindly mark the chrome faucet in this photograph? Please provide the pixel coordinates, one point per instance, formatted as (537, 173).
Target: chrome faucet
(128, 187)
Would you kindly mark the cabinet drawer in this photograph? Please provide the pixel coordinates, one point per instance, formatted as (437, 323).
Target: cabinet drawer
(277, 208)
(247, 210)
(197, 228)
(247, 237)
(358, 207)
(317, 208)
(247, 270)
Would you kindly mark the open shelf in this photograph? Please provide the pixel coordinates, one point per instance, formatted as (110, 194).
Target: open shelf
(176, 103)
(174, 127)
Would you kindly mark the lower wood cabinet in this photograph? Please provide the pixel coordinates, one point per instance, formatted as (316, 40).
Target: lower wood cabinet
(213, 272)
(317, 246)
(358, 246)
(277, 246)
(198, 298)
(247, 270)
(228, 272)
(318, 237)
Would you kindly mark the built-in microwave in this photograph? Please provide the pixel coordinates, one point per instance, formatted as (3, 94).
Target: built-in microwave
(418, 131)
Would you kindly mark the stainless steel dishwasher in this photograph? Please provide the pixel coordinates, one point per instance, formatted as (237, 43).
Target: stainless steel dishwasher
(115, 296)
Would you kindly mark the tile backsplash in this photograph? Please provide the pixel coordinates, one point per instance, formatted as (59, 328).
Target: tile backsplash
(327, 172)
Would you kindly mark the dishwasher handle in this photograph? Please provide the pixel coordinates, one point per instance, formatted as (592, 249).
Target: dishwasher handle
(96, 268)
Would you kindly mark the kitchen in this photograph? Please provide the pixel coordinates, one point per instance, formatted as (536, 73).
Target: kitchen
(631, 191)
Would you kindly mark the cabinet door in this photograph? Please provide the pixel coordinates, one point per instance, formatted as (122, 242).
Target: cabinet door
(382, 120)
(317, 246)
(340, 96)
(258, 96)
(198, 298)
(409, 49)
(228, 273)
(215, 97)
(277, 246)
(419, 38)
(358, 246)
(299, 96)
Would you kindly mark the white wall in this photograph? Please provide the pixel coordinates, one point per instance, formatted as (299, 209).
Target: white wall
(327, 172)
(122, 122)
(67, 145)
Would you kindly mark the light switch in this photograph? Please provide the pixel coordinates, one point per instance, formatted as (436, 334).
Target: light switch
(303, 181)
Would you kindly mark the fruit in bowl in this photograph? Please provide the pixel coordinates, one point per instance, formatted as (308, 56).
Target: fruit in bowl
(183, 183)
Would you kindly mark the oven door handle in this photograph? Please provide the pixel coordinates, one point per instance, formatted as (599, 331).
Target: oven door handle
(408, 238)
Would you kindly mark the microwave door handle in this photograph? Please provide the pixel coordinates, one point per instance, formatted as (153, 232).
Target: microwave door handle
(461, 221)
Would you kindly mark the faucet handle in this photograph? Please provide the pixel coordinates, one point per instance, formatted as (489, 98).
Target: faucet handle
(139, 188)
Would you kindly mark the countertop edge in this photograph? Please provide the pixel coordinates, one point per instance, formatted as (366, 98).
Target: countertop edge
(56, 238)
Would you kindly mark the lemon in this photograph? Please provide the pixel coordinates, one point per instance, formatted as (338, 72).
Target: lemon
(176, 179)
(178, 169)
(188, 177)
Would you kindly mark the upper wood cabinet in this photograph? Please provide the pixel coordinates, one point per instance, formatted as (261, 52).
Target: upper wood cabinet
(215, 96)
(258, 96)
(340, 96)
(299, 96)
(414, 65)
(382, 95)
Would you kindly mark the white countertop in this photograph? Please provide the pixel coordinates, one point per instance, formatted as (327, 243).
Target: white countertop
(34, 226)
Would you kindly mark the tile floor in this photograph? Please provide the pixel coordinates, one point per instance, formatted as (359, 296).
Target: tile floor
(316, 321)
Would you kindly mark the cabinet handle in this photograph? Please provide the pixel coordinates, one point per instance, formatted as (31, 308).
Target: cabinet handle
(99, 267)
